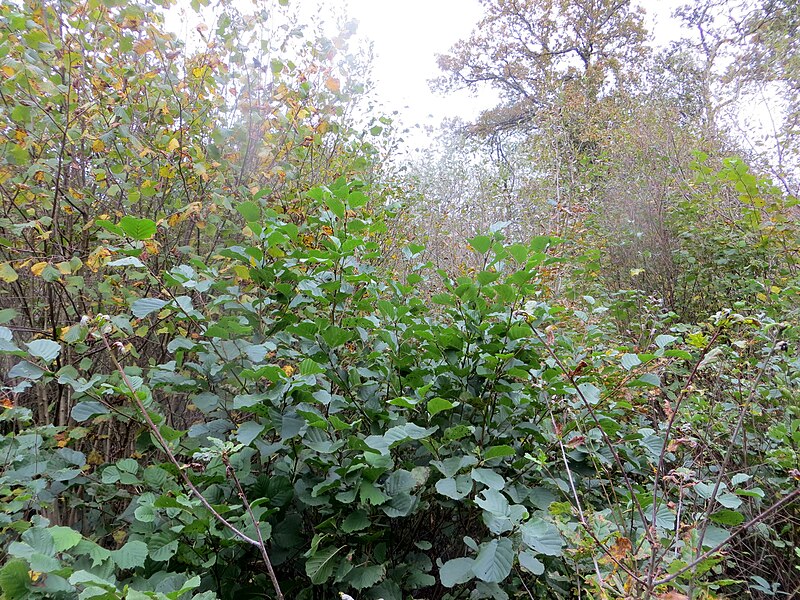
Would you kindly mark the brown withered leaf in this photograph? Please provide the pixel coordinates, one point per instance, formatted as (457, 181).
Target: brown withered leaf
(621, 548)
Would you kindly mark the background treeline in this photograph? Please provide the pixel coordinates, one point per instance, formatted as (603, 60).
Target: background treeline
(247, 349)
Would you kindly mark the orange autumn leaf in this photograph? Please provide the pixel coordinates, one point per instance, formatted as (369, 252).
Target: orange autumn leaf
(333, 85)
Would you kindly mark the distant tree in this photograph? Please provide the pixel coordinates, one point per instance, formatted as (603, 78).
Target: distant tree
(541, 53)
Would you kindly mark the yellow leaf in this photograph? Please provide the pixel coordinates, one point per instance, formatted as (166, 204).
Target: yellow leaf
(98, 145)
(242, 272)
(38, 268)
(150, 246)
(97, 258)
(7, 273)
(173, 145)
(7, 71)
(289, 370)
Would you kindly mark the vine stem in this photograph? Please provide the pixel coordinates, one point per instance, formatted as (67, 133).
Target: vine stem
(258, 543)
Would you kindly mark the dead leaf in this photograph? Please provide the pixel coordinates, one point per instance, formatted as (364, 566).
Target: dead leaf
(621, 548)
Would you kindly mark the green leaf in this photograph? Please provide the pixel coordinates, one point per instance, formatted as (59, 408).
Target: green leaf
(456, 571)
(493, 563)
(128, 465)
(248, 431)
(335, 205)
(487, 277)
(499, 452)
(646, 380)
(357, 199)
(481, 243)
(15, 580)
(629, 361)
(309, 367)
(542, 537)
(528, 561)
(518, 252)
(138, 229)
(489, 478)
(162, 546)
(493, 502)
(83, 411)
(729, 500)
(7, 314)
(26, 370)
(437, 405)
(335, 336)
(144, 306)
(96, 552)
(589, 392)
(455, 488)
(362, 578)
(250, 211)
(8, 274)
(715, 536)
(47, 350)
(664, 340)
(727, 517)
(319, 567)
(370, 494)
(355, 521)
(64, 538)
(43, 563)
(131, 555)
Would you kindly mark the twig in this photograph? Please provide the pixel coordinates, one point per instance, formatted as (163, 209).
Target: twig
(785, 501)
(261, 546)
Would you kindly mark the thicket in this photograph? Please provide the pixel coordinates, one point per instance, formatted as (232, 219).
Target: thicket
(230, 374)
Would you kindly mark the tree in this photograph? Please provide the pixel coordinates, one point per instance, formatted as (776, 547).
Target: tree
(748, 50)
(540, 54)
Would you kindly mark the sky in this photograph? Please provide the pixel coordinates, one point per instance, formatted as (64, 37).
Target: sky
(407, 35)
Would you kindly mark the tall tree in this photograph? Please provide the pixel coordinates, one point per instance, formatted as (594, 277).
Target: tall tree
(538, 52)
